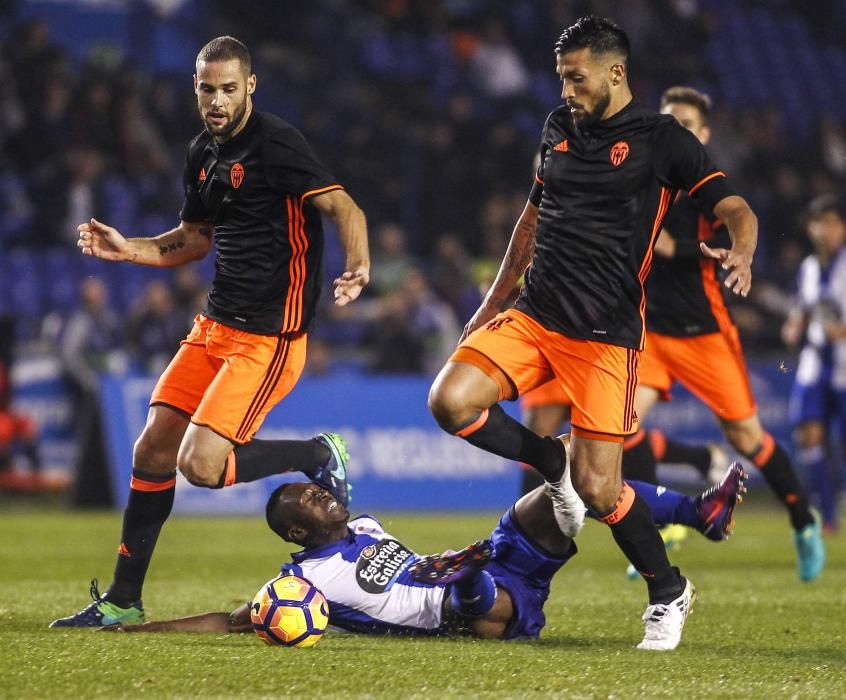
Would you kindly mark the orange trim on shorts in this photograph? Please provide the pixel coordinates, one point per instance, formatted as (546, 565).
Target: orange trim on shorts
(478, 359)
(629, 412)
(137, 484)
(658, 442)
(705, 179)
(621, 508)
(538, 180)
(634, 440)
(474, 426)
(766, 450)
(646, 265)
(593, 435)
(265, 391)
(229, 472)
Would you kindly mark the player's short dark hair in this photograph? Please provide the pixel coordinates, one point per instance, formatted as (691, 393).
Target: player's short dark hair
(278, 519)
(600, 35)
(686, 95)
(226, 48)
(824, 204)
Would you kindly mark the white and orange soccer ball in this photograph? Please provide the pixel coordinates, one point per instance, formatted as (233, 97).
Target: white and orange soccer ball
(289, 611)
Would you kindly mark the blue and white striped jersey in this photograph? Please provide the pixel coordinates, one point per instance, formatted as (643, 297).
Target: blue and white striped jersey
(822, 295)
(365, 579)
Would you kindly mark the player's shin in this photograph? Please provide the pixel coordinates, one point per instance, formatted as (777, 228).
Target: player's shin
(258, 459)
(149, 505)
(813, 462)
(496, 432)
(631, 525)
(668, 450)
(774, 465)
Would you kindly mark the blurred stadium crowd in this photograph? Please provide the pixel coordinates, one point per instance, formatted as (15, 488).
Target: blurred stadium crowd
(430, 114)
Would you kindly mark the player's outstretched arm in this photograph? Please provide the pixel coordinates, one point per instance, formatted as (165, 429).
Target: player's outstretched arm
(742, 225)
(521, 247)
(352, 230)
(183, 244)
(213, 622)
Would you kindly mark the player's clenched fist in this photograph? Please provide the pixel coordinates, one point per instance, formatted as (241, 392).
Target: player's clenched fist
(101, 241)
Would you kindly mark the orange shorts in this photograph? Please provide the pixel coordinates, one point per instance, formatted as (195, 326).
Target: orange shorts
(597, 380)
(228, 379)
(549, 394)
(710, 366)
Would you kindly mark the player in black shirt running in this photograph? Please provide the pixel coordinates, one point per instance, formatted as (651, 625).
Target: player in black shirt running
(691, 339)
(254, 187)
(609, 171)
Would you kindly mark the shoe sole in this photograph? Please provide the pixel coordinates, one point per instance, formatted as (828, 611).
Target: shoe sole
(444, 569)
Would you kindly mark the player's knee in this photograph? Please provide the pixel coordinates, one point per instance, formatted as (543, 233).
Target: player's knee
(149, 456)
(744, 437)
(448, 406)
(198, 470)
(595, 489)
(809, 435)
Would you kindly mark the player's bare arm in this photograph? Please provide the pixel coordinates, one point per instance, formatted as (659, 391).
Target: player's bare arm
(742, 225)
(352, 229)
(236, 622)
(665, 246)
(517, 257)
(185, 243)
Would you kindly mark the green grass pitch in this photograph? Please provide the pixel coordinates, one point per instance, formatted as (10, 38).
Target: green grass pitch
(755, 632)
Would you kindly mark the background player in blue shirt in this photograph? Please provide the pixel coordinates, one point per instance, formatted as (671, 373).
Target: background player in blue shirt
(817, 324)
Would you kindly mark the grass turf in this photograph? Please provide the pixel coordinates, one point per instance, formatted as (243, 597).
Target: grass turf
(756, 631)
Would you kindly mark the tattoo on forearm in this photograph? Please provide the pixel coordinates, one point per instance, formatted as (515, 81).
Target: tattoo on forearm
(521, 249)
(166, 248)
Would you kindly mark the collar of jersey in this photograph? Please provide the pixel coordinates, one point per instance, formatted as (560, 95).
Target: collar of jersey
(251, 124)
(327, 550)
(614, 120)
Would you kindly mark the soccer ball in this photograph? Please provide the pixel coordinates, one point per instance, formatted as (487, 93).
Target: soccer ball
(289, 611)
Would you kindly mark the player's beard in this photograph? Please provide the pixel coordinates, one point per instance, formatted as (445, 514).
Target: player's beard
(223, 133)
(593, 117)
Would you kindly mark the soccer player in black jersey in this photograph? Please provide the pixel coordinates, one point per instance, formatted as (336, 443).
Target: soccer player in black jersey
(609, 170)
(691, 339)
(254, 187)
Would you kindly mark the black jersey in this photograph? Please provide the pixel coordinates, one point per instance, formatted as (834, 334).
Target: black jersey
(684, 295)
(602, 195)
(255, 188)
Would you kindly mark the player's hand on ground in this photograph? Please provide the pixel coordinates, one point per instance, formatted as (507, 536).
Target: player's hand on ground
(739, 265)
(349, 285)
(484, 314)
(101, 241)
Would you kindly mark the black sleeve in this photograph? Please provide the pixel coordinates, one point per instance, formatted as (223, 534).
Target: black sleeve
(537, 186)
(193, 209)
(683, 163)
(292, 166)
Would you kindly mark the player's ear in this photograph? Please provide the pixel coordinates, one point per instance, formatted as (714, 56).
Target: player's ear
(297, 534)
(618, 73)
(252, 81)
